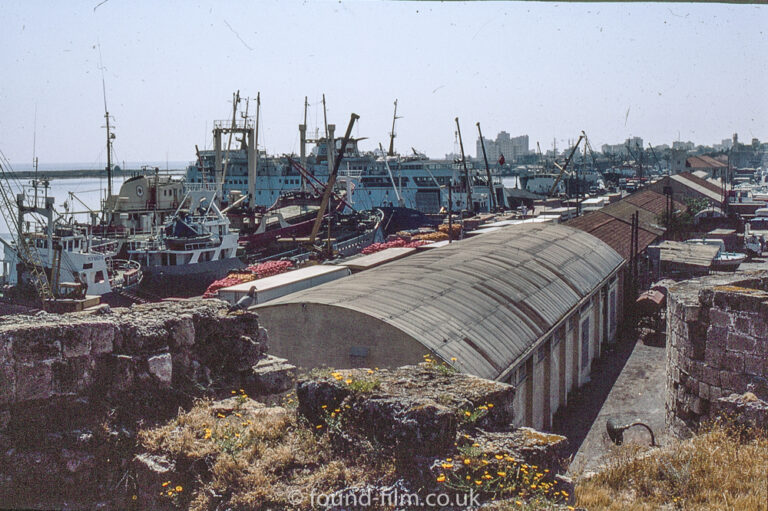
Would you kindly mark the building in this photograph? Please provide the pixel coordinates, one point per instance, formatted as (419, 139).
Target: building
(634, 143)
(688, 186)
(511, 147)
(713, 167)
(530, 304)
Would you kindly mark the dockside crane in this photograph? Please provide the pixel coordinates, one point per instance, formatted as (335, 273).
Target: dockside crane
(567, 161)
(27, 252)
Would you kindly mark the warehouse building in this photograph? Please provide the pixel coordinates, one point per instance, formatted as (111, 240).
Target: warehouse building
(529, 304)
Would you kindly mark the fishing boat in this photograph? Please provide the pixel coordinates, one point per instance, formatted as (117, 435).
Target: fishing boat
(724, 261)
(194, 247)
(75, 264)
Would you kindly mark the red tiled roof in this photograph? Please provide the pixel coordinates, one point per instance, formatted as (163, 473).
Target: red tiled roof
(615, 232)
(704, 162)
(653, 201)
(613, 223)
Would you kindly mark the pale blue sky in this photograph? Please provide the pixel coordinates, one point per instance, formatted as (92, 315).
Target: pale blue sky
(542, 69)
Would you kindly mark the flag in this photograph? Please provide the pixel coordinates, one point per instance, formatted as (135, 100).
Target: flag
(501, 159)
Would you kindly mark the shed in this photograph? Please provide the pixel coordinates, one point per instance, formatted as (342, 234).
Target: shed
(515, 305)
(276, 286)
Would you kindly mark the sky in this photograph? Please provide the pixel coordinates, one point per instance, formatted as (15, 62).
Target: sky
(661, 71)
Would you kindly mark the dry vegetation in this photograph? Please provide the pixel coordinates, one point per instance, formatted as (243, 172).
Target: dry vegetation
(722, 468)
(252, 457)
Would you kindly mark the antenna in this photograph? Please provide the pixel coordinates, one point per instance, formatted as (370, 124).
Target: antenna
(34, 142)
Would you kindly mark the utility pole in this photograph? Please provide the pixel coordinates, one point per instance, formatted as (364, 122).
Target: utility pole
(487, 170)
(466, 171)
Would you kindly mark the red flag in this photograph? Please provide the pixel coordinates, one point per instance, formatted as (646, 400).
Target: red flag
(501, 159)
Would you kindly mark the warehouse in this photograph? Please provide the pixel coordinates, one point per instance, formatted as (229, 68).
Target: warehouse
(530, 304)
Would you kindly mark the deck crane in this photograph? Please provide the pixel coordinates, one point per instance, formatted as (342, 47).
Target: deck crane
(27, 252)
(331, 180)
(565, 165)
(653, 152)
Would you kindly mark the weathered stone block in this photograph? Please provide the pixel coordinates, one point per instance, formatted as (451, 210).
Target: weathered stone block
(122, 371)
(740, 342)
(713, 357)
(183, 331)
(74, 375)
(720, 318)
(717, 336)
(36, 345)
(756, 365)
(711, 376)
(103, 339)
(271, 375)
(161, 368)
(733, 362)
(7, 383)
(691, 313)
(34, 381)
(732, 382)
(704, 390)
(743, 324)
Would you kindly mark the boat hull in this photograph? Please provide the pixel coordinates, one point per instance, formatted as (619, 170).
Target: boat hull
(185, 280)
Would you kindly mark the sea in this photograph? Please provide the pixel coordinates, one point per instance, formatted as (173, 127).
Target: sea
(78, 195)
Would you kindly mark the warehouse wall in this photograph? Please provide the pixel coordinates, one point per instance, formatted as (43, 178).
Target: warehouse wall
(563, 361)
(313, 335)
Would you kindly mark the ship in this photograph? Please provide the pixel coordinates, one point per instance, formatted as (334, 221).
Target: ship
(194, 247)
(74, 265)
(369, 179)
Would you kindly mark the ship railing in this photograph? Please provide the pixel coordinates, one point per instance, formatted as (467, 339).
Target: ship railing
(239, 124)
(353, 173)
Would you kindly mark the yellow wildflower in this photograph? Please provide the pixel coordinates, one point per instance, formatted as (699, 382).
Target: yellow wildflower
(166, 484)
(477, 482)
(179, 489)
(467, 461)
(440, 478)
(447, 465)
(501, 474)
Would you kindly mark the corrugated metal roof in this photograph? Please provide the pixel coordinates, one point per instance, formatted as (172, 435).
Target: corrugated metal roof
(485, 300)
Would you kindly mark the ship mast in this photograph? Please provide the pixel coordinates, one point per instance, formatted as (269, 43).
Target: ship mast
(466, 171)
(303, 135)
(391, 151)
(491, 190)
(110, 136)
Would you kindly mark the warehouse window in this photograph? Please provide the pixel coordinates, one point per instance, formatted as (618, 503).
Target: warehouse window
(359, 351)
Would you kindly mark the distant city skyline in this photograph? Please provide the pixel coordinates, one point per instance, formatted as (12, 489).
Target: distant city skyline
(662, 72)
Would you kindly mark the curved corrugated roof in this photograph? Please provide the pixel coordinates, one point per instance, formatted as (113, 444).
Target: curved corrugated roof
(485, 300)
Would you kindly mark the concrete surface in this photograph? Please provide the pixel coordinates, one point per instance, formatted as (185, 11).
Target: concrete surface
(628, 385)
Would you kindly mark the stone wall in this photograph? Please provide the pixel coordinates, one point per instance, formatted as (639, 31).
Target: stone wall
(717, 345)
(75, 388)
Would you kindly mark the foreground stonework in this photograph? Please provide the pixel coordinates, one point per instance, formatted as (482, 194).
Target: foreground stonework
(717, 346)
(74, 387)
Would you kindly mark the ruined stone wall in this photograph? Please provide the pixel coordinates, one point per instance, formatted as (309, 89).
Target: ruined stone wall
(52, 356)
(717, 345)
(75, 388)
